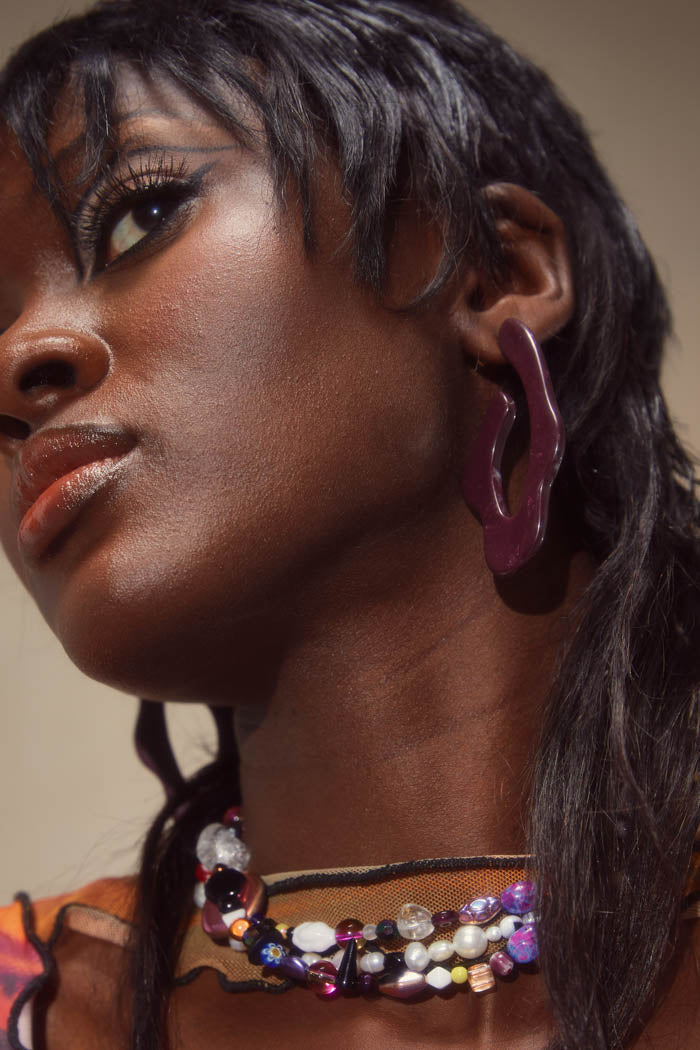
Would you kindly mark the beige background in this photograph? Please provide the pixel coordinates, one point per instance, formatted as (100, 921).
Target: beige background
(74, 801)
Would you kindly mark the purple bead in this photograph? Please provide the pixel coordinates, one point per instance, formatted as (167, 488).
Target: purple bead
(522, 946)
(444, 918)
(501, 964)
(481, 910)
(368, 983)
(212, 923)
(387, 930)
(519, 897)
(293, 967)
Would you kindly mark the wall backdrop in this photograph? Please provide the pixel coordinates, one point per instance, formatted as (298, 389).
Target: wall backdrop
(74, 801)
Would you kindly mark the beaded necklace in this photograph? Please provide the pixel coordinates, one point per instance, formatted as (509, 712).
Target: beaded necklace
(480, 925)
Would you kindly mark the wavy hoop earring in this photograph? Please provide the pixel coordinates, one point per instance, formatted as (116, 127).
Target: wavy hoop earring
(510, 540)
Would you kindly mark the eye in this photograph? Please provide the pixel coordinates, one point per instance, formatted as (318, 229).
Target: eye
(134, 225)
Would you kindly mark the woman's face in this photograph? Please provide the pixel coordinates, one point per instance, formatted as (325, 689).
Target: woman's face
(262, 419)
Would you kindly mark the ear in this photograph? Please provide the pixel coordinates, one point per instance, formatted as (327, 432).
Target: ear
(536, 286)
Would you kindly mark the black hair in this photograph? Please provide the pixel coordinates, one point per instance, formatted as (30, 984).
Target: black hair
(418, 98)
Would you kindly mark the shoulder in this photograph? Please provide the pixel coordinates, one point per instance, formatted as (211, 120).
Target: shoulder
(29, 931)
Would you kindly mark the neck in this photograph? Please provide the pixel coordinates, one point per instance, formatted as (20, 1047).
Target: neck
(404, 727)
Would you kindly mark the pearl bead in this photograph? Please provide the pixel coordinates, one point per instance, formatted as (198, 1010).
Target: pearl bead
(311, 957)
(337, 958)
(470, 942)
(372, 962)
(416, 957)
(508, 925)
(369, 932)
(439, 978)
(440, 950)
(494, 933)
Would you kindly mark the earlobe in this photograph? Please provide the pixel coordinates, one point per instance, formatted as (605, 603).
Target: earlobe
(535, 285)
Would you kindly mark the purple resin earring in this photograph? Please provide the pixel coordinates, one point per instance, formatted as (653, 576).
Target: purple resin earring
(511, 540)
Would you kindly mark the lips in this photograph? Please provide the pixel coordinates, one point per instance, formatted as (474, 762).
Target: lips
(57, 473)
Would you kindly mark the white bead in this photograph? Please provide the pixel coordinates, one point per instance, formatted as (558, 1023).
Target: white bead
(529, 916)
(231, 916)
(413, 922)
(200, 897)
(238, 946)
(470, 942)
(439, 978)
(493, 933)
(313, 937)
(416, 957)
(440, 950)
(205, 848)
(508, 926)
(230, 850)
(337, 958)
(369, 932)
(310, 957)
(372, 962)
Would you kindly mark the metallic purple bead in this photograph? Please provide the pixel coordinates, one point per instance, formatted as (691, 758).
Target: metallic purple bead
(519, 897)
(481, 910)
(444, 918)
(212, 923)
(522, 946)
(501, 964)
(293, 967)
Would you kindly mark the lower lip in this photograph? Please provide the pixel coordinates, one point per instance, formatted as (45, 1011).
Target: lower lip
(59, 505)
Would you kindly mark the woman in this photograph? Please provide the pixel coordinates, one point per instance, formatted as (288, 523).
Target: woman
(278, 279)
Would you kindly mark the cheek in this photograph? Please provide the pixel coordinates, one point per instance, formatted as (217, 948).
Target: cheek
(282, 422)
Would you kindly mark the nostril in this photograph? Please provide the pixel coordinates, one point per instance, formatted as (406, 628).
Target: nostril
(57, 374)
(14, 428)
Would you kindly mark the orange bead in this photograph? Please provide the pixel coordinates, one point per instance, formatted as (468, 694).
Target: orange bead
(238, 928)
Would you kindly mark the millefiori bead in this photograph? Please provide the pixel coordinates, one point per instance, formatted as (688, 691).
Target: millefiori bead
(519, 897)
(522, 946)
(413, 922)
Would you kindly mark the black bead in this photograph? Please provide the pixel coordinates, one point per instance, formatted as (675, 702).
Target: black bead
(394, 961)
(223, 887)
(347, 979)
(265, 937)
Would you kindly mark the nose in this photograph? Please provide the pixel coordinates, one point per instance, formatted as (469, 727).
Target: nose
(41, 372)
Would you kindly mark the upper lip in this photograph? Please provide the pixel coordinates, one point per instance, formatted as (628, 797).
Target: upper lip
(51, 454)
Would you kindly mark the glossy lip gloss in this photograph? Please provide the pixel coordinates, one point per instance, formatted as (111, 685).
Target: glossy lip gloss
(58, 472)
(61, 502)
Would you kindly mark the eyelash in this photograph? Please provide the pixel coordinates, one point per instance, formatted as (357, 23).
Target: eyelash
(119, 192)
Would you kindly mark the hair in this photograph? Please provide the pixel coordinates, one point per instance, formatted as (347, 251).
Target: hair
(417, 97)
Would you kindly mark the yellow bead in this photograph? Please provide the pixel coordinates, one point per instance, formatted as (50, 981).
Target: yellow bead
(459, 975)
(282, 927)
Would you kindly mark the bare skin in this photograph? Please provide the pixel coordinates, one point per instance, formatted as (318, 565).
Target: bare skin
(289, 537)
